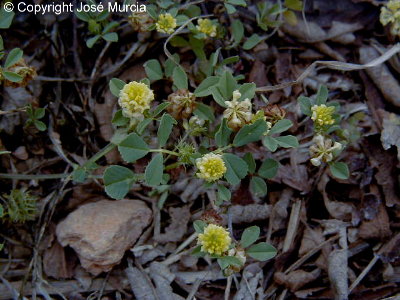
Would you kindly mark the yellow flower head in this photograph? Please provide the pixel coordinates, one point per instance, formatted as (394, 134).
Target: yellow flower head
(166, 23)
(322, 150)
(207, 27)
(211, 167)
(391, 14)
(135, 98)
(214, 240)
(322, 114)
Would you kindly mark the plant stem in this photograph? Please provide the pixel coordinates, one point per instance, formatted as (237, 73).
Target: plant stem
(99, 154)
(32, 176)
(92, 160)
(164, 151)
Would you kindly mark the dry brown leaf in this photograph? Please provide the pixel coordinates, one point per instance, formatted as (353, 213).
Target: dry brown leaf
(296, 279)
(390, 135)
(381, 75)
(174, 232)
(378, 227)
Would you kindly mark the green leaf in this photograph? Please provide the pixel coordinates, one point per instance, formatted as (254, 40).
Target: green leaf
(164, 130)
(247, 90)
(250, 236)
(322, 95)
(305, 105)
(224, 194)
(261, 251)
(294, 4)
(238, 2)
(81, 15)
(271, 143)
(287, 141)
(217, 96)
(252, 41)
(258, 186)
(116, 85)
(6, 18)
(269, 168)
(339, 170)
(118, 181)
(199, 226)
(204, 111)
(237, 31)
(222, 136)
(230, 60)
(11, 76)
(250, 133)
(227, 261)
(170, 64)
(154, 170)
(132, 148)
(13, 57)
(39, 113)
(110, 37)
(153, 70)
(251, 163)
(142, 125)
(236, 168)
(281, 126)
(230, 8)
(1, 211)
(40, 125)
(197, 252)
(159, 109)
(90, 42)
(179, 78)
(203, 89)
(110, 26)
(119, 119)
(226, 85)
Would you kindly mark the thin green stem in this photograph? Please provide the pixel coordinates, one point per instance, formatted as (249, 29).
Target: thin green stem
(220, 150)
(164, 151)
(33, 176)
(100, 154)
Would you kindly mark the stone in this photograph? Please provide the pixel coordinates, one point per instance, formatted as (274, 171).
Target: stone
(101, 232)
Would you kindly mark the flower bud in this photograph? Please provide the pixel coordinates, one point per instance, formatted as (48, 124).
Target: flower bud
(182, 104)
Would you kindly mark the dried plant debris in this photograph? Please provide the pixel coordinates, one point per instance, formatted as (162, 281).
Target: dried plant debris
(200, 150)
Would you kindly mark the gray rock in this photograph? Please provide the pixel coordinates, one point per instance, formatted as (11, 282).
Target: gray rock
(102, 231)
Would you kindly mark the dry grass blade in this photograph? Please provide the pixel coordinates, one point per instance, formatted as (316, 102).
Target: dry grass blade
(334, 65)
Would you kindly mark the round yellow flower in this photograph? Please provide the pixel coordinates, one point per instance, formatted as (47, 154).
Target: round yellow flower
(135, 98)
(207, 27)
(322, 114)
(391, 14)
(211, 167)
(166, 23)
(214, 240)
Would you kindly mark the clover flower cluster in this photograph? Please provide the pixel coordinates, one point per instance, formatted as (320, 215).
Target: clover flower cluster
(207, 27)
(214, 240)
(238, 113)
(22, 69)
(390, 13)
(166, 23)
(140, 21)
(323, 150)
(322, 115)
(182, 104)
(211, 167)
(135, 98)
